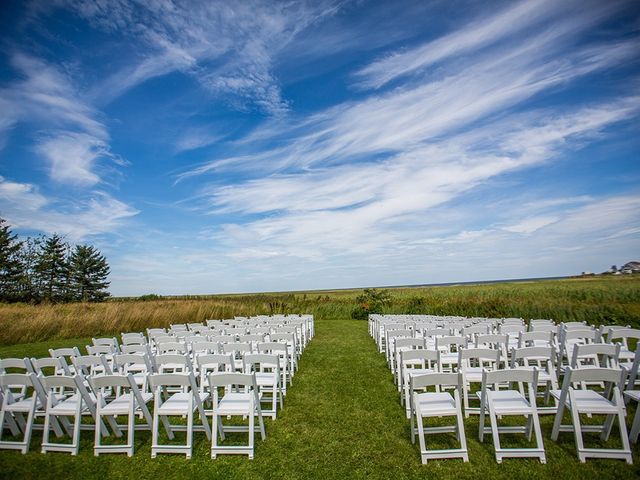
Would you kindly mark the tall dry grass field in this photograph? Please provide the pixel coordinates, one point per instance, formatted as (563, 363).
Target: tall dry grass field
(600, 300)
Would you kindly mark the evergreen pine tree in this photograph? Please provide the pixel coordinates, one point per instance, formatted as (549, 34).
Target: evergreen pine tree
(11, 271)
(89, 271)
(52, 269)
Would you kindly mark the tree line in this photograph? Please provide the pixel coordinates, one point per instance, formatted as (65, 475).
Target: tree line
(48, 269)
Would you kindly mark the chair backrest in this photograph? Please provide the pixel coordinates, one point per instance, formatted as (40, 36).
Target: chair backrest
(226, 379)
(409, 343)
(604, 355)
(481, 357)
(90, 364)
(58, 366)
(185, 380)
(100, 350)
(423, 357)
(535, 338)
(450, 343)
(205, 347)
(171, 347)
(8, 380)
(106, 341)
(237, 348)
(69, 352)
(21, 364)
(136, 348)
(510, 375)
(586, 376)
(525, 356)
(261, 362)
(172, 360)
(133, 338)
(436, 379)
(623, 335)
(132, 362)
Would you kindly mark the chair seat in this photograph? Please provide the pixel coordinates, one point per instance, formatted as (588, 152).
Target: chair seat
(417, 371)
(178, 403)
(507, 402)
(265, 379)
(68, 405)
(23, 405)
(435, 404)
(589, 401)
(234, 404)
(633, 394)
(120, 405)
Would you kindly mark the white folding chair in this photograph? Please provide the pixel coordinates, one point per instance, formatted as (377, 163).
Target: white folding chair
(412, 363)
(184, 403)
(136, 364)
(240, 398)
(471, 363)
(437, 404)
(588, 401)
(76, 402)
(541, 358)
(498, 403)
(635, 426)
(266, 369)
(282, 351)
(14, 407)
(128, 402)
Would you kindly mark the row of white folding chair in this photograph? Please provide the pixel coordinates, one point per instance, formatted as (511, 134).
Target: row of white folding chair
(497, 403)
(470, 363)
(77, 402)
(269, 380)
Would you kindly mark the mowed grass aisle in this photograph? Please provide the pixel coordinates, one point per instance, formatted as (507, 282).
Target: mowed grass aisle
(342, 419)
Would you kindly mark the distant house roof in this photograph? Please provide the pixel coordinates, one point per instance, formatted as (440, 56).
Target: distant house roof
(633, 266)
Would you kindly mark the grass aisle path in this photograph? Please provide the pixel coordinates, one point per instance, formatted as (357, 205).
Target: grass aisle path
(342, 419)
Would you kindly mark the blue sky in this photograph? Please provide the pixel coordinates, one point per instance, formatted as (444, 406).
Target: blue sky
(210, 147)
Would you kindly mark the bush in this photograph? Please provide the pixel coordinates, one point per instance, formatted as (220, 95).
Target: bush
(149, 297)
(371, 301)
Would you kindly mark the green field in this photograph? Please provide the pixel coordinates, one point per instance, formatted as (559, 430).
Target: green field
(342, 416)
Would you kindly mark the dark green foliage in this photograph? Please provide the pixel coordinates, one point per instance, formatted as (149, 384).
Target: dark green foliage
(52, 270)
(149, 297)
(47, 269)
(11, 269)
(88, 274)
(371, 301)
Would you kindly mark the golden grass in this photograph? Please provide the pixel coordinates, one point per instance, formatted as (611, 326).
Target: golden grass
(599, 300)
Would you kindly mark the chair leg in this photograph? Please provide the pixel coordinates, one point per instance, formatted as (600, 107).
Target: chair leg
(557, 422)
(131, 426)
(577, 427)
(29, 427)
(421, 439)
(624, 437)
(494, 432)
(189, 432)
(635, 427)
(251, 433)
(460, 431)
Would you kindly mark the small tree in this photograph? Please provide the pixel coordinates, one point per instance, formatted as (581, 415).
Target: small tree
(52, 269)
(89, 271)
(371, 301)
(11, 269)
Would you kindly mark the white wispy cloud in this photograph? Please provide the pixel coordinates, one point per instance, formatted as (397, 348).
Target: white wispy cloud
(516, 19)
(230, 48)
(73, 139)
(25, 207)
(72, 157)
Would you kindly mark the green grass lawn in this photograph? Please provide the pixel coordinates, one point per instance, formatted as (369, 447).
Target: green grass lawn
(342, 419)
